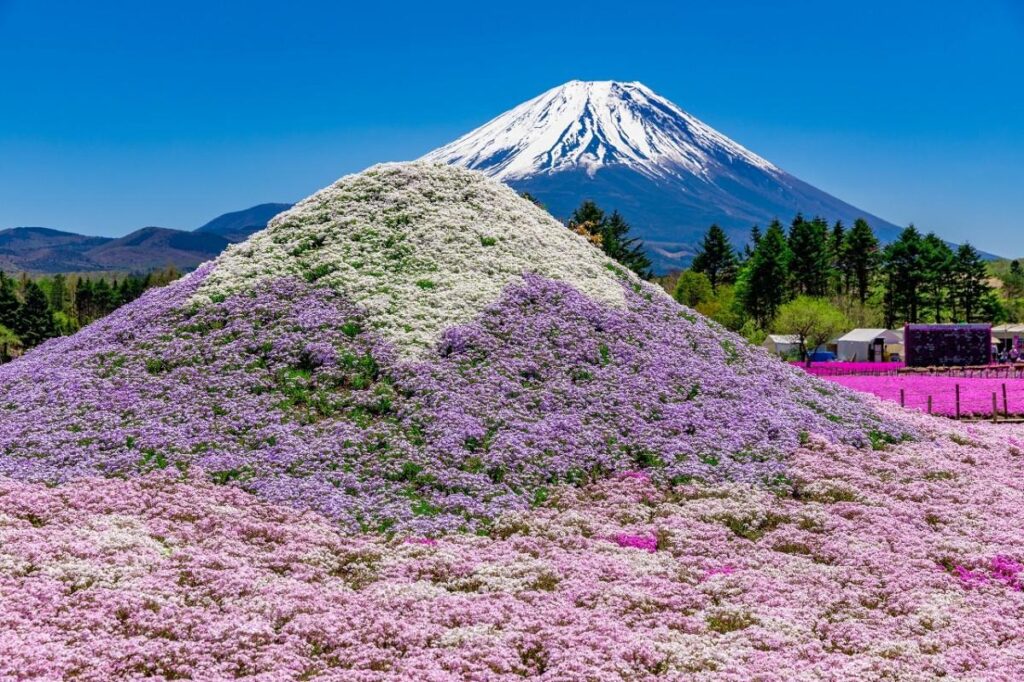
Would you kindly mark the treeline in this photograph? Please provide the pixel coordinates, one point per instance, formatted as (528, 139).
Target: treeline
(33, 309)
(845, 272)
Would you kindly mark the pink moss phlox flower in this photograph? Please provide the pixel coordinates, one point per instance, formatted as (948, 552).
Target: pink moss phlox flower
(421, 541)
(724, 569)
(648, 544)
(1006, 570)
(970, 578)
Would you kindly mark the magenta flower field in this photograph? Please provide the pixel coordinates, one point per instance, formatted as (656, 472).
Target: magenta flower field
(975, 393)
(826, 369)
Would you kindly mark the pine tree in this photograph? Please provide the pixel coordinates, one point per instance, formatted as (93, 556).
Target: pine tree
(35, 320)
(85, 310)
(716, 258)
(904, 273)
(970, 282)
(755, 239)
(837, 259)
(762, 286)
(611, 234)
(8, 303)
(58, 293)
(532, 199)
(937, 264)
(862, 258)
(627, 250)
(809, 265)
(103, 298)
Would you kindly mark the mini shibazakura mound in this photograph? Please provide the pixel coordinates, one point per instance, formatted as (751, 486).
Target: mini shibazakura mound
(414, 349)
(416, 429)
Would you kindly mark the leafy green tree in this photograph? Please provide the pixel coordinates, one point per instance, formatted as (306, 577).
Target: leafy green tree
(937, 264)
(35, 320)
(716, 258)
(693, 288)
(809, 264)
(861, 258)
(903, 269)
(761, 288)
(813, 320)
(993, 309)
(1014, 280)
(8, 342)
(722, 308)
(970, 283)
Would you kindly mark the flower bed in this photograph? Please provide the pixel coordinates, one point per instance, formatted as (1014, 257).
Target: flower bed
(287, 393)
(901, 565)
(975, 394)
(827, 369)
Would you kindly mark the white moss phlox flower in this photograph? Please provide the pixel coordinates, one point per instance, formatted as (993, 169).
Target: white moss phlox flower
(422, 247)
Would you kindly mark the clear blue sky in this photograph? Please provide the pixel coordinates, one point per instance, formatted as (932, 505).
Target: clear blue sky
(118, 115)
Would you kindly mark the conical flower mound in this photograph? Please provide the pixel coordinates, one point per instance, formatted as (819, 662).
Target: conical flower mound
(419, 247)
(313, 366)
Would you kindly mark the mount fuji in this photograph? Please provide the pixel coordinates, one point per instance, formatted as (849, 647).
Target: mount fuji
(628, 148)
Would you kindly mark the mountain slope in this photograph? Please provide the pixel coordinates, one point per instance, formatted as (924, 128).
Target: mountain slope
(630, 149)
(44, 250)
(157, 247)
(238, 225)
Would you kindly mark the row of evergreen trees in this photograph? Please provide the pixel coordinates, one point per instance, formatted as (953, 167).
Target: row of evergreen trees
(916, 278)
(33, 309)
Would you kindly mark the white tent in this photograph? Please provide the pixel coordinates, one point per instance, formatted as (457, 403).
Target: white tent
(782, 344)
(866, 345)
(1008, 335)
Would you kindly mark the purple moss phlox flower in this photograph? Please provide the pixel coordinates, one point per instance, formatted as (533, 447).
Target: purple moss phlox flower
(286, 391)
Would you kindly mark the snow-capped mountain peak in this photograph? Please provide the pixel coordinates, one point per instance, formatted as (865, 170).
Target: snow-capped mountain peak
(631, 150)
(588, 125)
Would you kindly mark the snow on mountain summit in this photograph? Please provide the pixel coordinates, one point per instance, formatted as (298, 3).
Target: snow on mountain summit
(591, 124)
(631, 150)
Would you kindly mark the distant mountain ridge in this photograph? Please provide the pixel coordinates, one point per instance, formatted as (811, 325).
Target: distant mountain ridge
(238, 225)
(628, 148)
(46, 250)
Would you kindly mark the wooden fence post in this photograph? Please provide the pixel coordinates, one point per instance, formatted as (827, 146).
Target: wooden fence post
(995, 408)
(929, 404)
(903, 398)
(1006, 407)
(958, 401)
